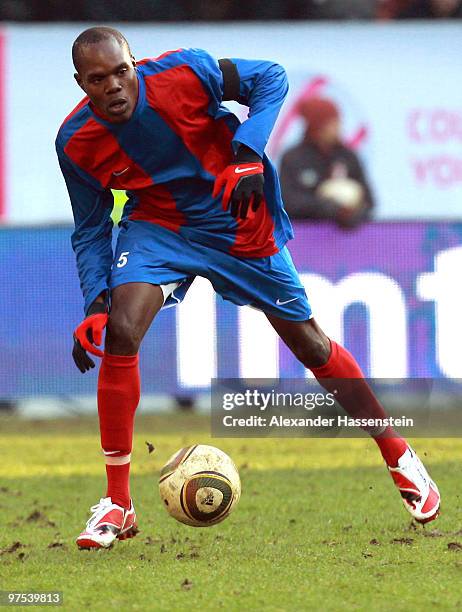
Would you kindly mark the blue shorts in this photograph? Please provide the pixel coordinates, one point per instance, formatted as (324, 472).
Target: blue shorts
(149, 253)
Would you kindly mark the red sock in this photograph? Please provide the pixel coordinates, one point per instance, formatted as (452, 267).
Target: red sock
(118, 397)
(358, 399)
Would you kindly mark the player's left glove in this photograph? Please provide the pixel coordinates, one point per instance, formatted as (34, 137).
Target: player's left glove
(89, 333)
(243, 187)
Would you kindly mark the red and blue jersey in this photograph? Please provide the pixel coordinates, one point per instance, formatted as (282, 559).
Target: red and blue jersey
(167, 156)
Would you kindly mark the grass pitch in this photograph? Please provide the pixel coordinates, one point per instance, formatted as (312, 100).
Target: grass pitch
(319, 525)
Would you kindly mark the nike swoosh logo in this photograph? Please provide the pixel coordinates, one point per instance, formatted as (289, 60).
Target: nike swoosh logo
(279, 303)
(121, 172)
(110, 452)
(241, 170)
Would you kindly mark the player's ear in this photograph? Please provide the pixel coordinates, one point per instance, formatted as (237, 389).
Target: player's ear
(133, 60)
(78, 78)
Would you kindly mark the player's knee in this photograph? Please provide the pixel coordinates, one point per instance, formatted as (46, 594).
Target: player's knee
(313, 352)
(123, 337)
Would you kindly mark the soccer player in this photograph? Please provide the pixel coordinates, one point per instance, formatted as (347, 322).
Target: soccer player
(203, 200)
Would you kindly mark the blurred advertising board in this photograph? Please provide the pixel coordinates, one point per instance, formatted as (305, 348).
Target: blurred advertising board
(390, 291)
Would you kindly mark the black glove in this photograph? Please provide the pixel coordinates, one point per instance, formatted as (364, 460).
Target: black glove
(79, 354)
(249, 190)
(242, 182)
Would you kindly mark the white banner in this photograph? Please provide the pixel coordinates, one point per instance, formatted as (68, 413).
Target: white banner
(398, 87)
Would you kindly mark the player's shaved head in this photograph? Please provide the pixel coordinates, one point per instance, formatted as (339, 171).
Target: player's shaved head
(93, 36)
(106, 71)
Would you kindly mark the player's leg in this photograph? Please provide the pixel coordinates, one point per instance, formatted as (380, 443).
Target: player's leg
(133, 308)
(147, 269)
(272, 285)
(335, 368)
(150, 263)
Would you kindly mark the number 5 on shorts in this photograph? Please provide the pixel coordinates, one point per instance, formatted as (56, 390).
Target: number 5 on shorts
(123, 259)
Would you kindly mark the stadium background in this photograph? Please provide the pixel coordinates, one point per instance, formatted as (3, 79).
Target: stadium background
(388, 290)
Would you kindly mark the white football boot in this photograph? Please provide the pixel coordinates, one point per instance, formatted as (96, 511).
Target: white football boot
(419, 493)
(108, 523)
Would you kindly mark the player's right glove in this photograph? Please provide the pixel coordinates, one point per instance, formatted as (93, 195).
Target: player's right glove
(89, 333)
(243, 187)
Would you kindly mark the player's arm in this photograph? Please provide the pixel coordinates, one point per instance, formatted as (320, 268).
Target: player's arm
(259, 84)
(92, 244)
(262, 86)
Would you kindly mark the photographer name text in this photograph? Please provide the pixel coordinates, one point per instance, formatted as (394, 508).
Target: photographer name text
(319, 421)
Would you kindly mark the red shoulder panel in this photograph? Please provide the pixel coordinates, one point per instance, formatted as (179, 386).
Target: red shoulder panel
(179, 97)
(159, 57)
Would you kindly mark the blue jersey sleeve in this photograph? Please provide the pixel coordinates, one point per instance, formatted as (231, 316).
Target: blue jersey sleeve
(92, 237)
(263, 87)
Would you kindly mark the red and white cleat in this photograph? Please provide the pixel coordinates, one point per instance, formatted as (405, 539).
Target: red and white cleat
(108, 523)
(419, 493)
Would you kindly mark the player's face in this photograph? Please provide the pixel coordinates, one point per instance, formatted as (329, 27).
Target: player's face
(108, 77)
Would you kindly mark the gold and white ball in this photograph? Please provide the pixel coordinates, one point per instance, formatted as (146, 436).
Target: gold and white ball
(199, 485)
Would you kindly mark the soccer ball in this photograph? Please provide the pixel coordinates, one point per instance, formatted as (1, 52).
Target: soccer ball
(199, 485)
